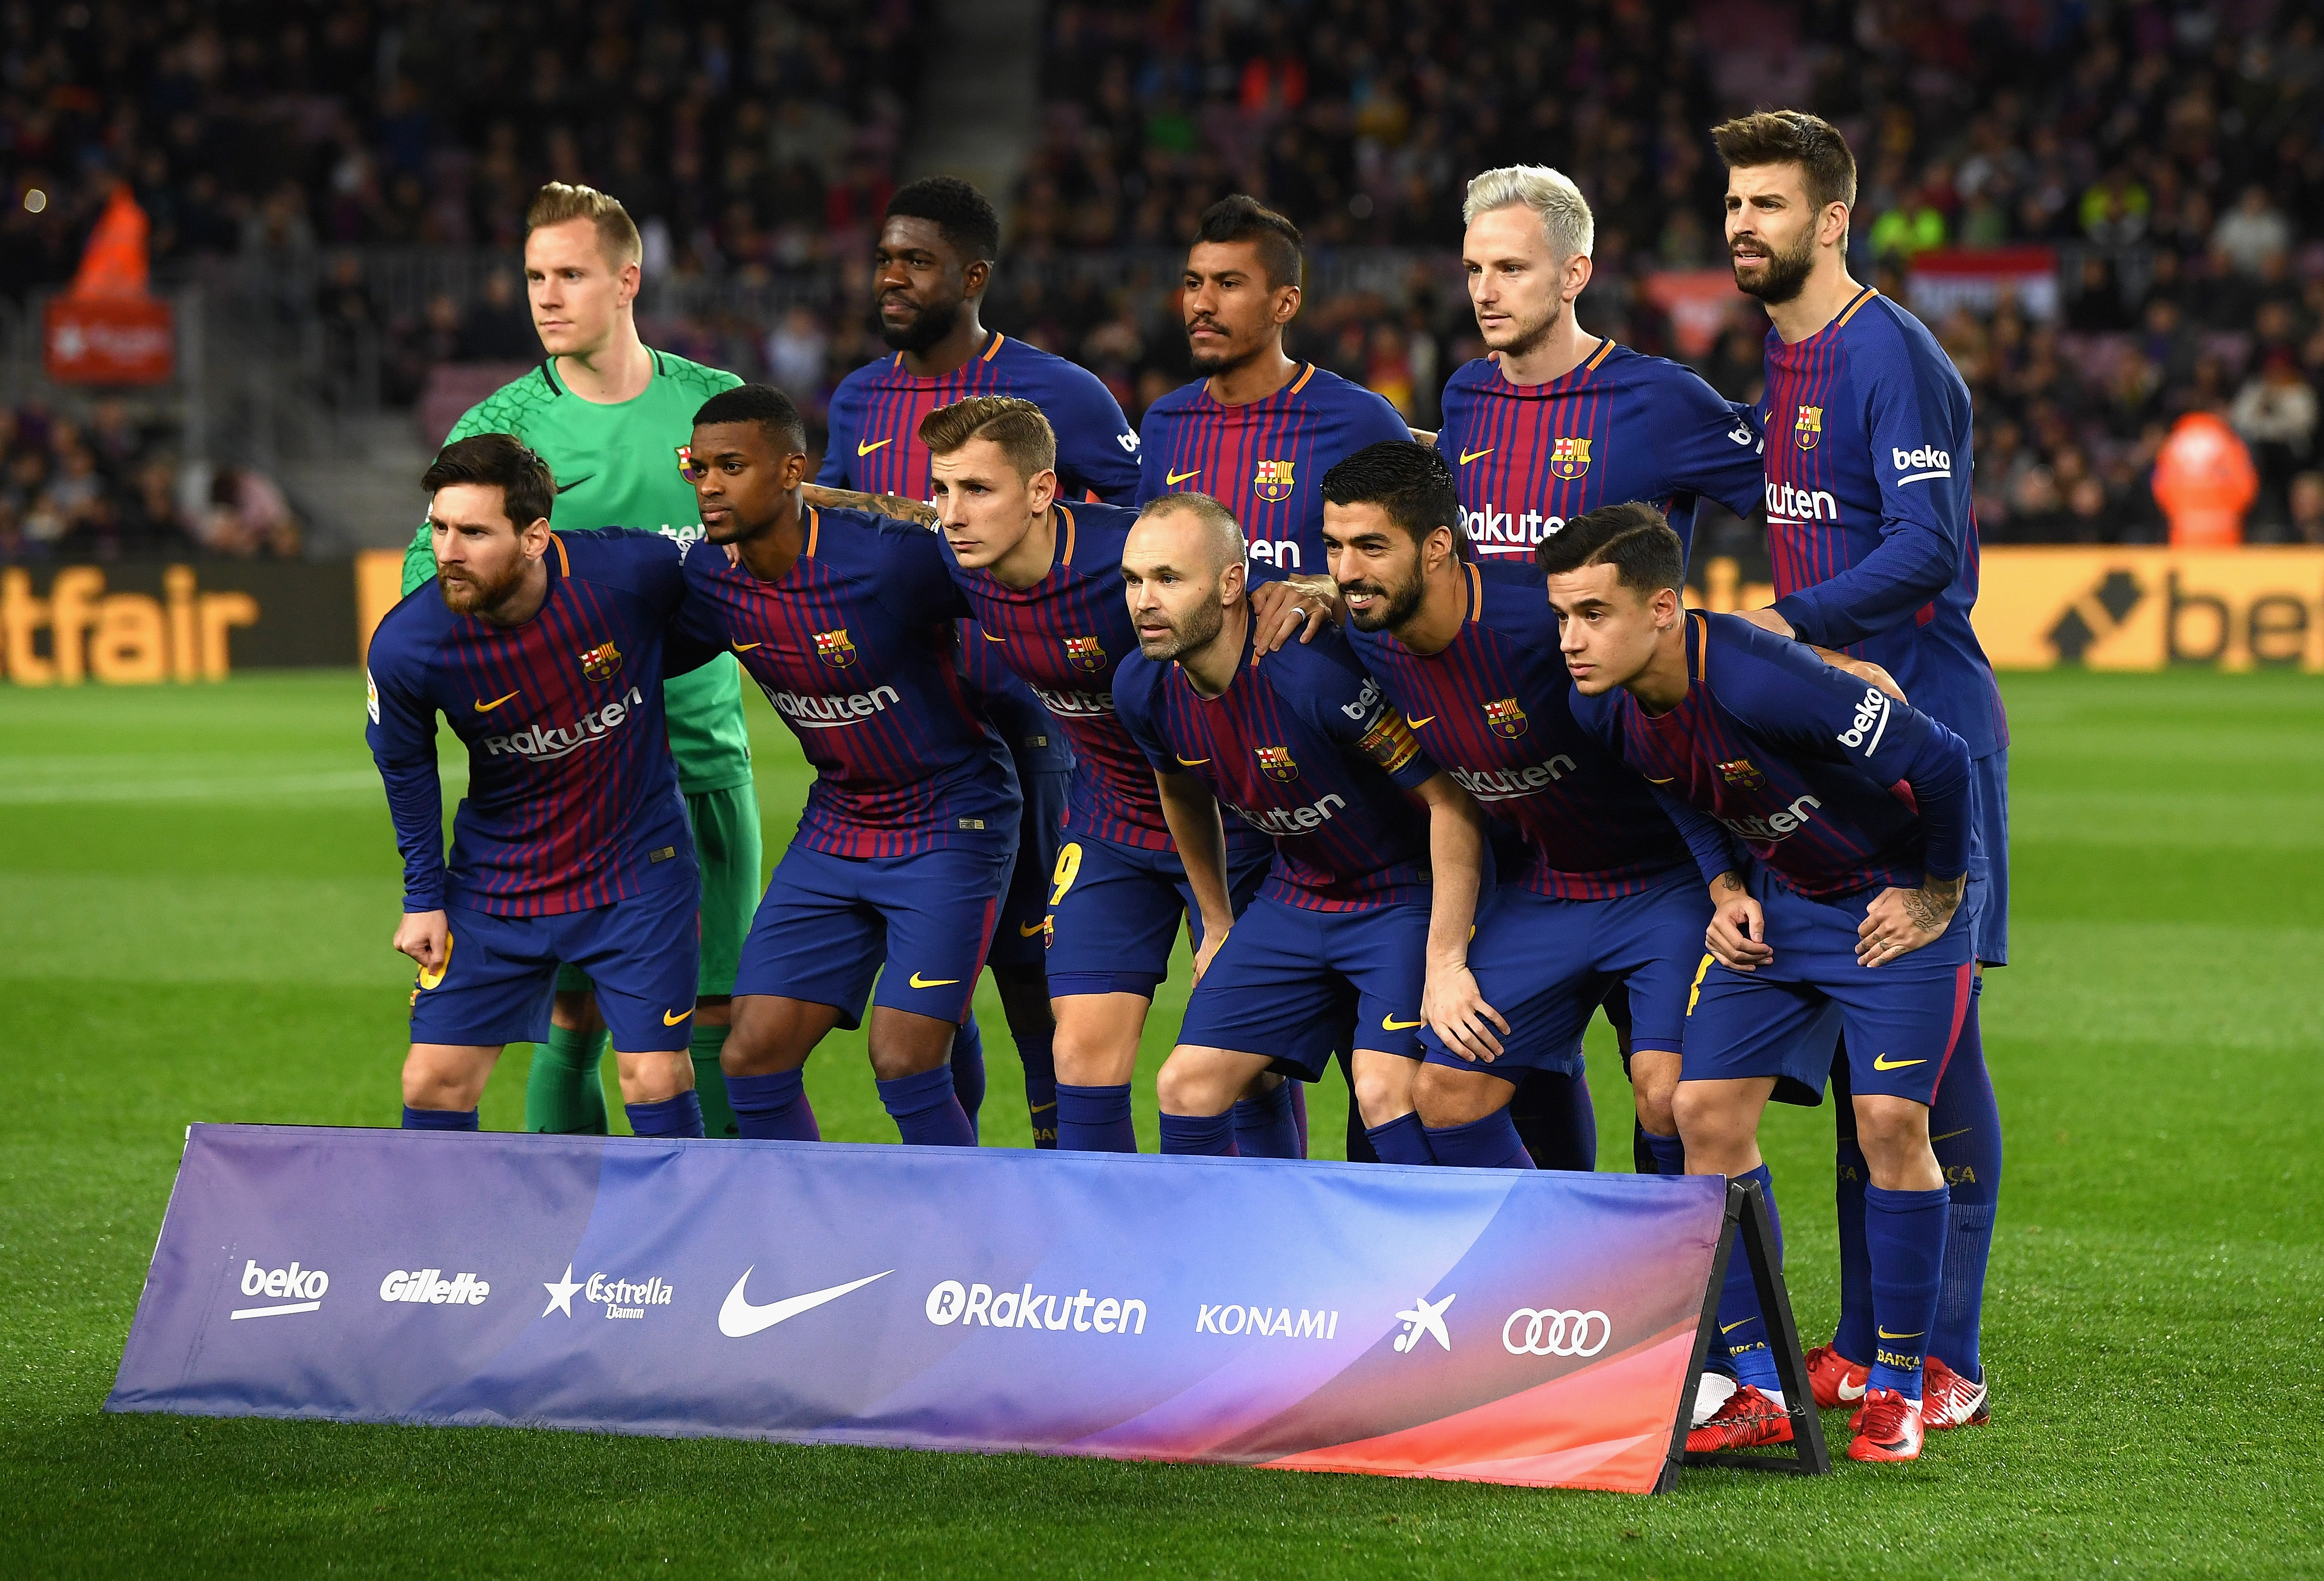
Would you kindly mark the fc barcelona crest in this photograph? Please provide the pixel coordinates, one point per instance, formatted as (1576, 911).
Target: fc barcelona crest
(1569, 458)
(1275, 763)
(1272, 482)
(833, 648)
(1084, 653)
(1809, 429)
(1504, 718)
(1742, 775)
(601, 662)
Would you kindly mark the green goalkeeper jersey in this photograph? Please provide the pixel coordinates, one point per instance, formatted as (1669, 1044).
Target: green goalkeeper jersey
(616, 465)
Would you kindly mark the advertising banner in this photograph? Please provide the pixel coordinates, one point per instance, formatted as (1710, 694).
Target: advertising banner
(132, 623)
(2152, 608)
(109, 340)
(1525, 1328)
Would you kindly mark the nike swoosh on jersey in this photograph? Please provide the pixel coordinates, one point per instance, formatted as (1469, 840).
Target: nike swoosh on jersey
(1175, 478)
(1388, 1023)
(744, 647)
(670, 1018)
(1882, 1063)
(921, 981)
(989, 637)
(1028, 930)
(863, 449)
(1423, 719)
(1468, 456)
(577, 483)
(484, 707)
(1652, 781)
(1192, 762)
(738, 1318)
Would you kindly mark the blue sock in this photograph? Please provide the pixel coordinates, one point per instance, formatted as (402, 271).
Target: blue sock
(774, 1108)
(1852, 1336)
(1905, 1231)
(1034, 1047)
(1553, 1115)
(1669, 1153)
(968, 1070)
(1965, 1130)
(1208, 1135)
(1402, 1141)
(438, 1119)
(1298, 1091)
(1742, 1325)
(678, 1117)
(1095, 1119)
(925, 1112)
(1265, 1127)
(1490, 1143)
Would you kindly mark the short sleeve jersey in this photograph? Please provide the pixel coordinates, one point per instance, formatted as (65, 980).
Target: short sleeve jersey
(572, 799)
(1306, 749)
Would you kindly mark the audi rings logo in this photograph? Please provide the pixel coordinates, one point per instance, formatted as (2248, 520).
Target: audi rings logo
(1548, 1333)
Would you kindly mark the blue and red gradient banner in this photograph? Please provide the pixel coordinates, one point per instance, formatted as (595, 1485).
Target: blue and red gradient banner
(1487, 1324)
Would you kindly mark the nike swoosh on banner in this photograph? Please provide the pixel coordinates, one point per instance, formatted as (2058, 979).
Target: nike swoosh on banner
(484, 707)
(863, 449)
(577, 483)
(921, 981)
(1468, 456)
(1178, 477)
(738, 1318)
(1423, 719)
(1882, 1063)
(744, 647)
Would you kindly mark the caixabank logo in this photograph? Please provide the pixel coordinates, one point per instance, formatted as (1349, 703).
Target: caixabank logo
(2254, 608)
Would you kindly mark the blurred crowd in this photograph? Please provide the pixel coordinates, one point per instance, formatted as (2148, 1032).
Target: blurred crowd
(113, 486)
(2172, 158)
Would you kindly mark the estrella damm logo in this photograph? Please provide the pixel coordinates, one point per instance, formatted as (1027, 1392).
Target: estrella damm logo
(1809, 427)
(1085, 653)
(1504, 718)
(601, 662)
(1275, 763)
(833, 648)
(1273, 481)
(1569, 458)
(1742, 775)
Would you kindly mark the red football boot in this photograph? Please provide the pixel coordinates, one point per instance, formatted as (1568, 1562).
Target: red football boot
(1748, 1420)
(1887, 1427)
(1833, 1379)
(1948, 1399)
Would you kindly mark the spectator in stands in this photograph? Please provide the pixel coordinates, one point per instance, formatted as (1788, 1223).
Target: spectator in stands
(2276, 414)
(2308, 508)
(2251, 232)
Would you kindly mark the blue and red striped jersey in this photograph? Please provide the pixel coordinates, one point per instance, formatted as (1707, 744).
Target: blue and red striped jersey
(876, 411)
(1264, 461)
(1832, 785)
(1306, 749)
(572, 801)
(1623, 426)
(1869, 525)
(1035, 740)
(854, 647)
(1494, 708)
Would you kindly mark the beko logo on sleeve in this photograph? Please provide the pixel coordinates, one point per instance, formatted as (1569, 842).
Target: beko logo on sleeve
(1926, 462)
(1871, 715)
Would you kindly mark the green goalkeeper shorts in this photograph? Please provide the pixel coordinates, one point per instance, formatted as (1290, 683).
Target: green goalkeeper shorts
(726, 843)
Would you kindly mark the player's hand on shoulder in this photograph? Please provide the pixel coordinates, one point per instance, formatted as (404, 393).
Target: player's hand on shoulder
(1766, 620)
(1291, 606)
(1422, 436)
(895, 506)
(1902, 920)
(1452, 1004)
(426, 938)
(1737, 937)
(1864, 670)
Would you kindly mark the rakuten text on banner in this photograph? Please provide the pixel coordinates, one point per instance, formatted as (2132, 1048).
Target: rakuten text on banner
(1528, 1329)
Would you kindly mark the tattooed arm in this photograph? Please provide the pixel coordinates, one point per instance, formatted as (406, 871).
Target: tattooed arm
(880, 505)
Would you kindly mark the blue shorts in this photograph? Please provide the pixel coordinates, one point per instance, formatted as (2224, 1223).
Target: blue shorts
(1987, 904)
(1547, 964)
(1901, 1020)
(643, 954)
(1282, 983)
(1115, 911)
(1021, 938)
(829, 923)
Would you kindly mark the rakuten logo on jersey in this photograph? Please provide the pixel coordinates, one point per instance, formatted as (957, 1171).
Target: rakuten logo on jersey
(545, 743)
(1787, 504)
(430, 1288)
(949, 1303)
(1777, 826)
(1076, 705)
(1928, 461)
(1871, 715)
(292, 1289)
(1510, 784)
(831, 712)
(1495, 532)
(1292, 820)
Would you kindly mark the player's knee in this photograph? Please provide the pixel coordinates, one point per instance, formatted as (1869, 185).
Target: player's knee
(1384, 1089)
(1891, 1128)
(1654, 1085)
(1195, 1081)
(1445, 1097)
(1712, 1125)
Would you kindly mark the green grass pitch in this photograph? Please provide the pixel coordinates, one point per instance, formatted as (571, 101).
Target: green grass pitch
(197, 890)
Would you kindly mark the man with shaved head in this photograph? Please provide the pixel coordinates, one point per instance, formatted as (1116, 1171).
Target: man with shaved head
(1364, 903)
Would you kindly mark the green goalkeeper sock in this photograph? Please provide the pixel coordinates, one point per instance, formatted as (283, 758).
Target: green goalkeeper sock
(562, 1093)
(710, 1082)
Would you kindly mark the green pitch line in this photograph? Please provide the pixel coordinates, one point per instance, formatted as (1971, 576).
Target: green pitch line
(197, 889)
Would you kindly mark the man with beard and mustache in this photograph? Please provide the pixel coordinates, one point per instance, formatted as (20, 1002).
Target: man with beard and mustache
(545, 653)
(929, 271)
(1598, 884)
(1366, 900)
(1874, 547)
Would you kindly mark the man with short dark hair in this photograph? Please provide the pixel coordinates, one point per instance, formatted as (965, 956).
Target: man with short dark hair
(1873, 540)
(1855, 809)
(903, 851)
(544, 650)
